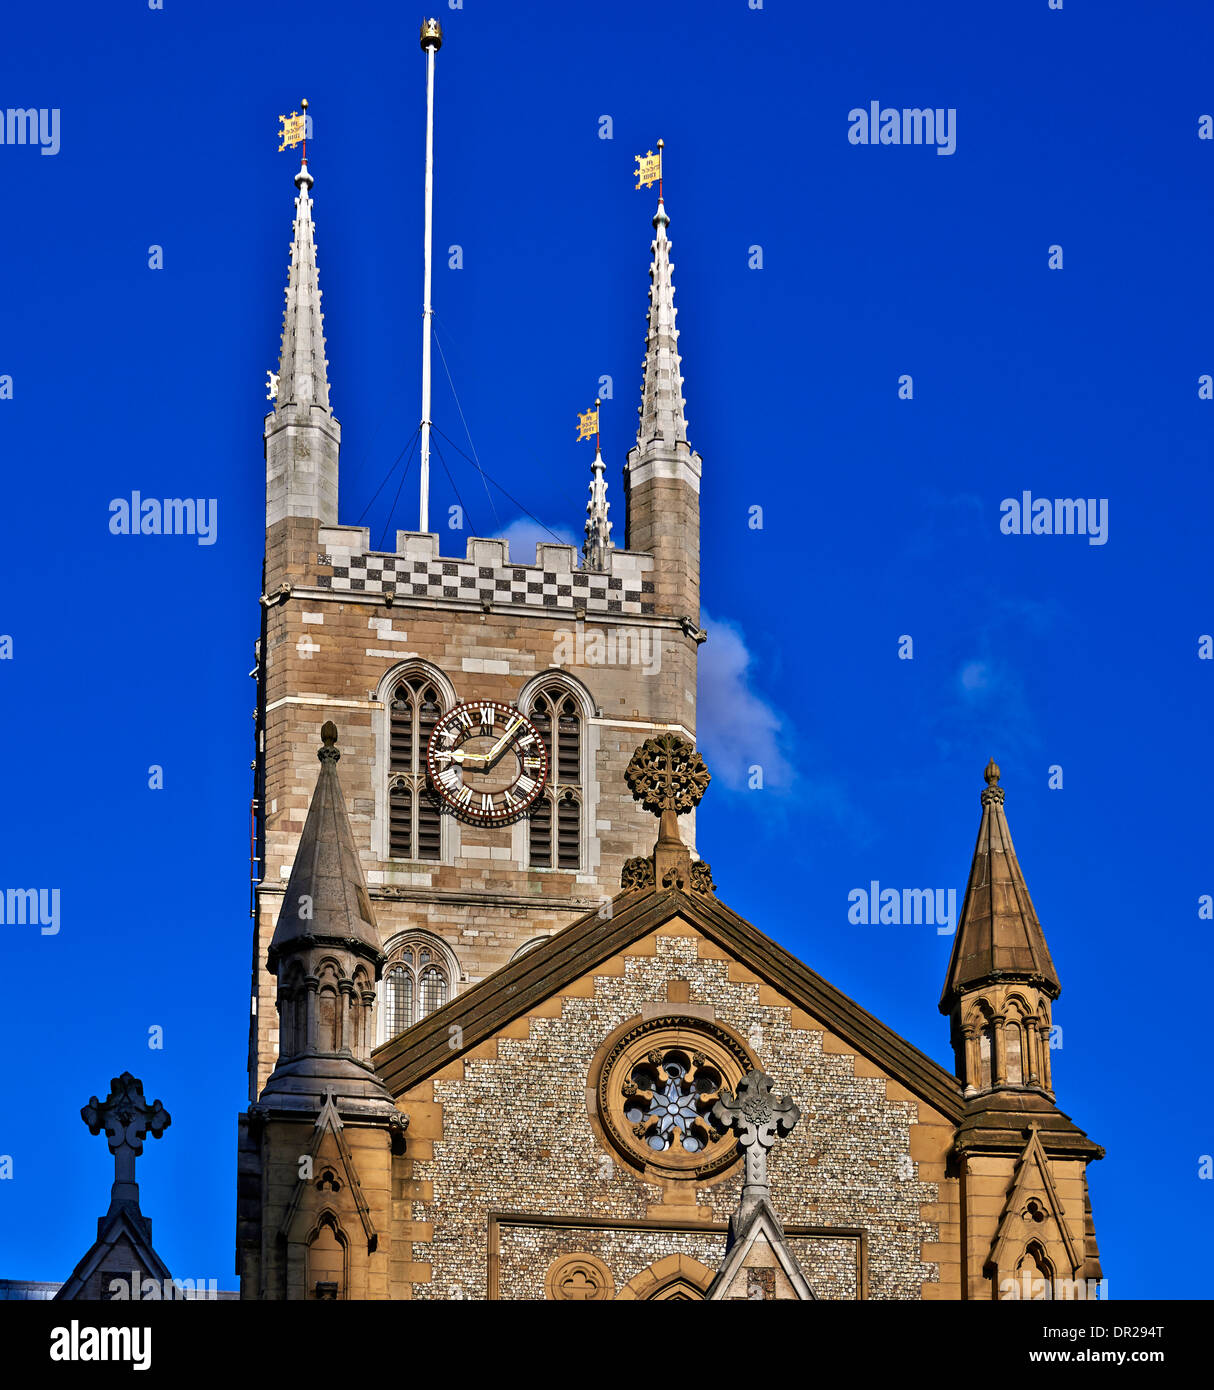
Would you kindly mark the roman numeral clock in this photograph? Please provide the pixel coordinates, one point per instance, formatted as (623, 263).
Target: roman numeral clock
(487, 762)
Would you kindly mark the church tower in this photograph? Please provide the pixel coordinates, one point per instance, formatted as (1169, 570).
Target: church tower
(1023, 1163)
(597, 652)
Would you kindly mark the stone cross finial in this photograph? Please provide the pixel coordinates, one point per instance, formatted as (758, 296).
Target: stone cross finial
(668, 777)
(756, 1117)
(127, 1119)
(667, 774)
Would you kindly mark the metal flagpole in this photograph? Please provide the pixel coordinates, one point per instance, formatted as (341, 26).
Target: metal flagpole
(431, 41)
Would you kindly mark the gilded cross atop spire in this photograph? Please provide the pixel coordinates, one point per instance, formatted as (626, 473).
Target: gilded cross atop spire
(127, 1119)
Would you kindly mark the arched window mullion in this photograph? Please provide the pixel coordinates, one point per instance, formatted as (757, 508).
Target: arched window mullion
(555, 825)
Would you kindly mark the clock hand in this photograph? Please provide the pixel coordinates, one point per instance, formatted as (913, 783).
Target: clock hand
(499, 748)
(457, 755)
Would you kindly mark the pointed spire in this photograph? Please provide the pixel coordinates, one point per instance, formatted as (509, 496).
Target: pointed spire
(598, 528)
(998, 936)
(302, 376)
(661, 408)
(326, 898)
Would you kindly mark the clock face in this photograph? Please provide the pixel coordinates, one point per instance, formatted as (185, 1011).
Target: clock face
(487, 762)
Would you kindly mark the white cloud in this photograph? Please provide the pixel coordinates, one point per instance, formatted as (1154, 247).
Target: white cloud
(736, 729)
(524, 535)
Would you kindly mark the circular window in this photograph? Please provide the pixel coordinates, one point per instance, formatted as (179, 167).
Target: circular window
(658, 1081)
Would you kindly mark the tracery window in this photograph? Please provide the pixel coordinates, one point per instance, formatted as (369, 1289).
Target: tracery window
(414, 819)
(656, 1081)
(416, 983)
(667, 1098)
(557, 716)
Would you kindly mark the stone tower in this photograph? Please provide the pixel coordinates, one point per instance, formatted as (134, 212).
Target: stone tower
(1023, 1163)
(598, 655)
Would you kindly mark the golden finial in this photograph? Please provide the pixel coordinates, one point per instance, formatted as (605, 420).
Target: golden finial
(432, 35)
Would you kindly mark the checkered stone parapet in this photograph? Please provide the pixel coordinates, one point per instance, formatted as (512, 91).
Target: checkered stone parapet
(527, 585)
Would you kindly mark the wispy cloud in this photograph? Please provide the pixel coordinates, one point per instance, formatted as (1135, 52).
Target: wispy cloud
(737, 729)
(524, 535)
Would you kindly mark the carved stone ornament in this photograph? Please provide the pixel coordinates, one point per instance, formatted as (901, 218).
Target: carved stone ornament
(667, 774)
(579, 1278)
(701, 877)
(637, 873)
(127, 1119)
(757, 1118)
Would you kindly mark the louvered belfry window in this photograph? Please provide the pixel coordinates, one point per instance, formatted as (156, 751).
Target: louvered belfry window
(414, 821)
(555, 840)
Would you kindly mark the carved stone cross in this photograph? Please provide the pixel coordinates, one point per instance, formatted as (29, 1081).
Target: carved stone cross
(127, 1119)
(757, 1118)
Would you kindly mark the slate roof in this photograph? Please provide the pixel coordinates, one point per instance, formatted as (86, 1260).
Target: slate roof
(998, 934)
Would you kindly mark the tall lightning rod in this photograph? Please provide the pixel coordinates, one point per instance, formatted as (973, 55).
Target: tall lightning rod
(431, 42)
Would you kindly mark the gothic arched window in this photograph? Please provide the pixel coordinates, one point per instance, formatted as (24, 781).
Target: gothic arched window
(417, 981)
(414, 821)
(555, 827)
(398, 1000)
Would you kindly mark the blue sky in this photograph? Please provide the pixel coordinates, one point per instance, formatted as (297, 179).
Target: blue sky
(1076, 128)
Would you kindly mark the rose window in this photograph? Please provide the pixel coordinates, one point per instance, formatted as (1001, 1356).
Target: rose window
(655, 1081)
(667, 1099)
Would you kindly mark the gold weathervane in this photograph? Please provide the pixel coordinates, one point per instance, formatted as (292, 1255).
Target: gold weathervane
(588, 422)
(649, 168)
(294, 129)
